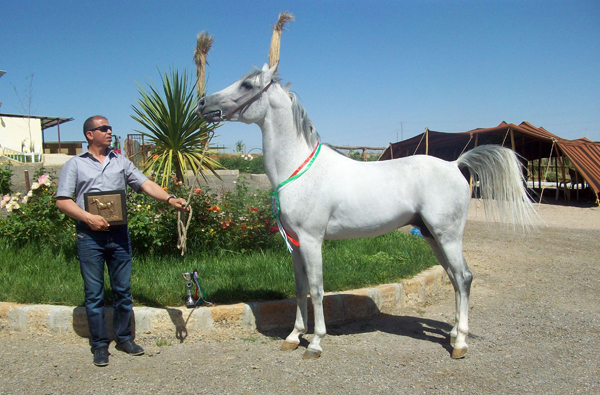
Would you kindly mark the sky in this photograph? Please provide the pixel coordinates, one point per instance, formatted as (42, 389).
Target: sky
(367, 72)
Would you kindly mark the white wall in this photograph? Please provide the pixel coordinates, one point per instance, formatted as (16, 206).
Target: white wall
(15, 131)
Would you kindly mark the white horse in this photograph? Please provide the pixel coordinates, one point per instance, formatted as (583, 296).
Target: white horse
(339, 198)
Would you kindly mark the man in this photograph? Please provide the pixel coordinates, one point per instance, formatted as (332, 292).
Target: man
(101, 170)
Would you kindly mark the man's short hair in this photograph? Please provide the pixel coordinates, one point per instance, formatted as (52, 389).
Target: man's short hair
(89, 123)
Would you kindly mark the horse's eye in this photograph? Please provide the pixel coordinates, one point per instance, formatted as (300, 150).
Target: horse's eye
(246, 85)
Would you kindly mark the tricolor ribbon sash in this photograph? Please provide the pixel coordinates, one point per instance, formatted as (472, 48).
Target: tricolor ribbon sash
(275, 196)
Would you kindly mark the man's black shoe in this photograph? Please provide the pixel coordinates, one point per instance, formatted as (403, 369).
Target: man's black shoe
(101, 356)
(130, 348)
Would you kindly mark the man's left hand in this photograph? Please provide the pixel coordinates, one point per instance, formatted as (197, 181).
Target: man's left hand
(179, 204)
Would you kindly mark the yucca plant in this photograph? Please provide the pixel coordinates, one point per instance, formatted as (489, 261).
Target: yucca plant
(177, 134)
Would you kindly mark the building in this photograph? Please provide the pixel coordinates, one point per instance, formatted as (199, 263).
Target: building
(22, 137)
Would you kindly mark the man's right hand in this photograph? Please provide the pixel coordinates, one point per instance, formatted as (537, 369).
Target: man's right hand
(97, 222)
(93, 221)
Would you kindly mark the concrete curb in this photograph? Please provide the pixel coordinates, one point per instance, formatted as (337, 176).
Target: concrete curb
(181, 322)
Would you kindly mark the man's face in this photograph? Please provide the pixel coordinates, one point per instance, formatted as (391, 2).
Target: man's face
(100, 133)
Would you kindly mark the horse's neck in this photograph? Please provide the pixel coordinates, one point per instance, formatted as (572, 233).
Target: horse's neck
(284, 149)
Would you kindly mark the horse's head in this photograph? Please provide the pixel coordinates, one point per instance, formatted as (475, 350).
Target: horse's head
(241, 100)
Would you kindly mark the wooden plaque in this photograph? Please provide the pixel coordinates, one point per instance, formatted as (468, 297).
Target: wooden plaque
(108, 204)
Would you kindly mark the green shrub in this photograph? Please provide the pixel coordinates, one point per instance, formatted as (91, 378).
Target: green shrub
(248, 163)
(239, 220)
(34, 217)
(5, 175)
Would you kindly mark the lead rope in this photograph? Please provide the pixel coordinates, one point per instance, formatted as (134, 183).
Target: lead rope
(182, 224)
(275, 196)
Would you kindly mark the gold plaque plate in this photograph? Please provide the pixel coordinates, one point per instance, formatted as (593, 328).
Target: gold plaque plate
(109, 204)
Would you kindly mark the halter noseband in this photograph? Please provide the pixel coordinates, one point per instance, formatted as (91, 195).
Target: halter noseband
(247, 102)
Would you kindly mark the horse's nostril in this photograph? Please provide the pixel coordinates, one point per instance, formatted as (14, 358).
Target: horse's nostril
(201, 102)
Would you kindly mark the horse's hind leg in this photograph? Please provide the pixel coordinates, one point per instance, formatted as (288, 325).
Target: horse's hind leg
(449, 253)
(301, 325)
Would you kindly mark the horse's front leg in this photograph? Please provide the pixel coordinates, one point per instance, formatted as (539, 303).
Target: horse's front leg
(301, 325)
(313, 264)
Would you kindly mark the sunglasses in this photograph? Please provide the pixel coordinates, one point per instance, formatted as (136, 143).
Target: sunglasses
(102, 128)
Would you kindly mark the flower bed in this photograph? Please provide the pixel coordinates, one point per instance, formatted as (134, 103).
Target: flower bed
(238, 220)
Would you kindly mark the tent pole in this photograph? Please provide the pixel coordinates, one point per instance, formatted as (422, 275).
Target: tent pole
(540, 167)
(58, 129)
(512, 140)
(576, 183)
(426, 141)
(562, 169)
(556, 174)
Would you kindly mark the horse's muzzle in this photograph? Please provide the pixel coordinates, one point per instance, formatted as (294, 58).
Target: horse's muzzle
(213, 116)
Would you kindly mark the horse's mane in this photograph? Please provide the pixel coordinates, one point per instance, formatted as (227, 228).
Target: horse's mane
(303, 124)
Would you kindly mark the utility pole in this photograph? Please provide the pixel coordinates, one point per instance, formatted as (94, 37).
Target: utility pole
(2, 72)
(401, 132)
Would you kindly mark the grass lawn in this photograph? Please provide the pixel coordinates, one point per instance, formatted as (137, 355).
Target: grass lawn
(35, 275)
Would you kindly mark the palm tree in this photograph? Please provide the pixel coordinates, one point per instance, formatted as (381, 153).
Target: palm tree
(178, 134)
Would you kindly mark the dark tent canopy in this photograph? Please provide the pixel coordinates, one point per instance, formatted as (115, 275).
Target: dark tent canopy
(531, 142)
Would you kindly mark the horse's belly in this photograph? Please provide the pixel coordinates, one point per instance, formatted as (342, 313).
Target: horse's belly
(361, 224)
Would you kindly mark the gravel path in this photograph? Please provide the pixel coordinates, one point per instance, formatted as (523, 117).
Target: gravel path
(535, 328)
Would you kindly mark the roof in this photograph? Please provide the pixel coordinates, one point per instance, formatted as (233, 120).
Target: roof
(585, 157)
(527, 140)
(47, 122)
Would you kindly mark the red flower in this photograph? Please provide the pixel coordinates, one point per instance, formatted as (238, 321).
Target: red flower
(243, 227)
(197, 190)
(274, 229)
(253, 210)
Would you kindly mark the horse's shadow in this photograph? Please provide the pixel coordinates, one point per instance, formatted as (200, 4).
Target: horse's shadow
(415, 327)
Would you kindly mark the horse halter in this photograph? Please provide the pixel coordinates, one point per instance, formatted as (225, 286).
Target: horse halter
(247, 102)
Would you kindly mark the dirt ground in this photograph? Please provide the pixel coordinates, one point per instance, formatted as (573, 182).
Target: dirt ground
(534, 328)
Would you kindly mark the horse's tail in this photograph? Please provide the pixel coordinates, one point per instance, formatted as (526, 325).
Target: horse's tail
(500, 176)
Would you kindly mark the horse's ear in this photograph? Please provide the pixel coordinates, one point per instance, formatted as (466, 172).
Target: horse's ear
(270, 73)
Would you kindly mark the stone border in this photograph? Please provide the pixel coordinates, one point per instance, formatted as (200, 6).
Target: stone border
(181, 322)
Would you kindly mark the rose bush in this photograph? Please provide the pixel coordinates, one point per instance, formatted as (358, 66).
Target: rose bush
(238, 220)
(34, 216)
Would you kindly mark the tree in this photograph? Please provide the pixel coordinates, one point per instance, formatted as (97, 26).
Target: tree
(178, 134)
(240, 146)
(25, 107)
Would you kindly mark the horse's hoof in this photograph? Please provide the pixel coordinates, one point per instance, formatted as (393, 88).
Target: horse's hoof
(311, 354)
(458, 353)
(289, 346)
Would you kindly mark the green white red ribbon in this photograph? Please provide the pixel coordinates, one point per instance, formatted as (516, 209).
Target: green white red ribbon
(275, 196)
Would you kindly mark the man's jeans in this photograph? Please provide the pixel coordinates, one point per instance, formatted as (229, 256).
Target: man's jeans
(114, 248)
